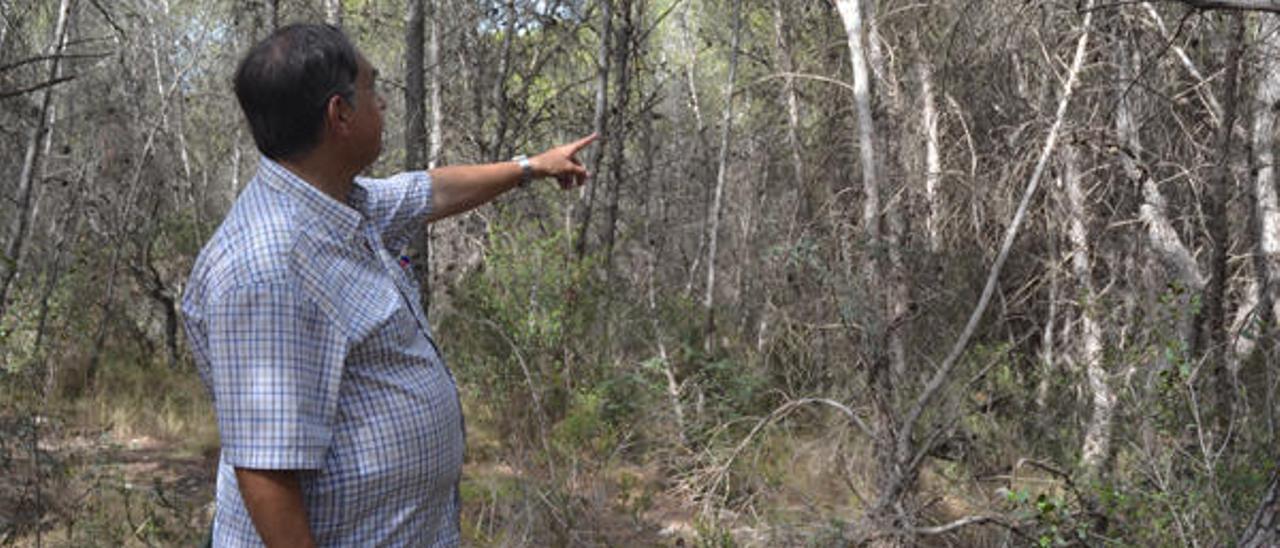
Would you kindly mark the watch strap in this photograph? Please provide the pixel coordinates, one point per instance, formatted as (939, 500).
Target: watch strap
(526, 169)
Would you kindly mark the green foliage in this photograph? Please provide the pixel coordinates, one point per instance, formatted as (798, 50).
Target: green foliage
(712, 535)
(732, 390)
(584, 428)
(1054, 524)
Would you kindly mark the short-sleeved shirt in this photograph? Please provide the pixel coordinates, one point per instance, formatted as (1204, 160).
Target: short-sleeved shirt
(310, 334)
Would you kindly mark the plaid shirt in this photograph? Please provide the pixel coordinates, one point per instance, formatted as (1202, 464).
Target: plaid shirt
(311, 338)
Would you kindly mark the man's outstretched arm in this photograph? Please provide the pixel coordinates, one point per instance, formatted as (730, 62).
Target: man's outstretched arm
(455, 189)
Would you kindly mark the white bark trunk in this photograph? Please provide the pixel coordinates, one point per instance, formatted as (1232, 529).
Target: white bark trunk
(333, 12)
(1162, 237)
(851, 15)
(691, 74)
(1048, 363)
(726, 127)
(1165, 240)
(1097, 439)
(932, 158)
(273, 14)
(436, 138)
(4, 24)
(1264, 150)
(1243, 333)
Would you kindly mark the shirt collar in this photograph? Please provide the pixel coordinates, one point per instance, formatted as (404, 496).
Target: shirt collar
(342, 217)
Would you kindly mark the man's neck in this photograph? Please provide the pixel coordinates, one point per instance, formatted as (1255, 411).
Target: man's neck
(327, 176)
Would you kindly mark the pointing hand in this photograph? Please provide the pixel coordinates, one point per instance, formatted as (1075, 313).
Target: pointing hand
(562, 163)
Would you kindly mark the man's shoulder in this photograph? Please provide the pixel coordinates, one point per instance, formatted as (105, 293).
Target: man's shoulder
(254, 245)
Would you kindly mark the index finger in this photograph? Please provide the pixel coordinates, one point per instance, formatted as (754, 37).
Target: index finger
(580, 144)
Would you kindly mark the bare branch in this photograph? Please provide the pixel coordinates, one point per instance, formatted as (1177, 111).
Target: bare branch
(10, 66)
(1272, 6)
(35, 87)
(962, 522)
(782, 411)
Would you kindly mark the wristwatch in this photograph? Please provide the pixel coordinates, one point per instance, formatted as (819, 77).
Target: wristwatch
(526, 169)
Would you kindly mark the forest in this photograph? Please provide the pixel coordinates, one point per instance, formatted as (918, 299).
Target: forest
(847, 272)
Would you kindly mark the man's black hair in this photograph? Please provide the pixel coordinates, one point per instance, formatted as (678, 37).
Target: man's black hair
(285, 82)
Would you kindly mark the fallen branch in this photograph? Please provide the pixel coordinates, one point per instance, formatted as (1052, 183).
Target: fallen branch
(785, 409)
(963, 522)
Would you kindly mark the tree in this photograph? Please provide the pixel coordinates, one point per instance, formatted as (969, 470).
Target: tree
(722, 166)
(31, 162)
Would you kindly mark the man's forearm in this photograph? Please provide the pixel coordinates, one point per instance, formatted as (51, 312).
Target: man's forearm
(274, 501)
(455, 189)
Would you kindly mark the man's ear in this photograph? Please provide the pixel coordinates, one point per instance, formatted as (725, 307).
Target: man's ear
(337, 114)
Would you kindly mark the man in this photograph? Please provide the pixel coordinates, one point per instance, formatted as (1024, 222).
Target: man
(340, 423)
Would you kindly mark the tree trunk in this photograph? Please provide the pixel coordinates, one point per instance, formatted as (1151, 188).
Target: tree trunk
(65, 230)
(1263, 530)
(333, 12)
(149, 278)
(932, 158)
(31, 163)
(435, 152)
(622, 50)
(498, 150)
(1210, 341)
(1048, 362)
(601, 123)
(890, 485)
(810, 198)
(1097, 439)
(722, 169)
(1266, 201)
(415, 123)
(1162, 238)
(415, 135)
